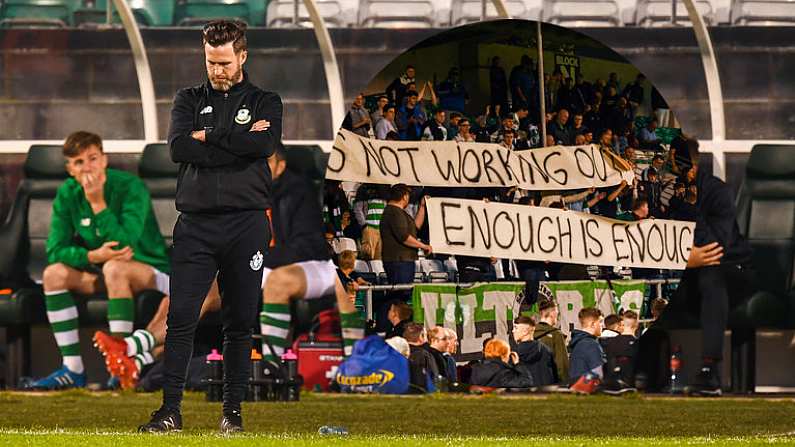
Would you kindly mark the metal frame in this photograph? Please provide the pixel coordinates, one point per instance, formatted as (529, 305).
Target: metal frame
(145, 83)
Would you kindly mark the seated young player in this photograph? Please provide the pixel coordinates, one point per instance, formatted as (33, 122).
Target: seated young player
(535, 356)
(587, 356)
(103, 238)
(301, 265)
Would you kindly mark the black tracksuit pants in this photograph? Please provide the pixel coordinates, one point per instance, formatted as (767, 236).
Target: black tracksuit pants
(233, 245)
(710, 292)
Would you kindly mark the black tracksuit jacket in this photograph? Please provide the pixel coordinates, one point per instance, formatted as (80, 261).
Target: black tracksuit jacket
(229, 172)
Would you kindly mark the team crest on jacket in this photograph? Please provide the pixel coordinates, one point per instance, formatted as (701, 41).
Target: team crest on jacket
(243, 116)
(208, 109)
(256, 261)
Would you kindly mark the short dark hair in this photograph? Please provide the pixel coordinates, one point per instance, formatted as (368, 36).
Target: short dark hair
(412, 93)
(630, 315)
(279, 152)
(589, 313)
(412, 332)
(524, 319)
(612, 320)
(546, 304)
(221, 32)
(80, 141)
(402, 310)
(398, 191)
(658, 157)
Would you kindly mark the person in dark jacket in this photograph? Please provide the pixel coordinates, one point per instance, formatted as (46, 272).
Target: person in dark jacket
(548, 333)
(437, 346)
(535, 356)
(497, 369)
(498, 84)
(399, 315)
(221, 133)
(719, 272)
(422, 366)
(587, 356)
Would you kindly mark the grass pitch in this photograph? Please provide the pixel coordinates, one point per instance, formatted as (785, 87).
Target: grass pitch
(79, 418)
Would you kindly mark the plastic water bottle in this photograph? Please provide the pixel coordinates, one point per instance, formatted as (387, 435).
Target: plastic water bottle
(677, 384)
(332, 430)
(255, 387)
(292, 381)
(215, 376)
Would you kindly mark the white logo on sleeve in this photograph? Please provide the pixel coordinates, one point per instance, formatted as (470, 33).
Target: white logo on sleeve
(243, 116)
(208, 109)
(256, 261)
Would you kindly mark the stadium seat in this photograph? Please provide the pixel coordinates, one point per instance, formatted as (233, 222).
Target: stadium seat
(37, 13)
(573, 13)
(658, 13)
(281, 14)
(361, 266)
(146, 12)
(341, 244)
(199, 12)
(159, 174)
(470, 11)
(396, 14)
(434, 270)
(762, 12)
(377, 267)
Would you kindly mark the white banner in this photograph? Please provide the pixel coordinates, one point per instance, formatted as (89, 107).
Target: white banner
(448, 163)
(490, 229)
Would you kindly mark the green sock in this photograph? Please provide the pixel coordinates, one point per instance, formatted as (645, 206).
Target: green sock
(352, 330)
(121, 312)
(275, 326)
(62, 313)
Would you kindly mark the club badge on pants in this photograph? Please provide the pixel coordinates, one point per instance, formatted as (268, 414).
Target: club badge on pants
(243, 116)
(256, 261)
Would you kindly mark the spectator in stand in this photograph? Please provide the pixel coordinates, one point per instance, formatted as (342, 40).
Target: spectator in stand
(497, 369)
(398, 88)
(606, 139)
(498, 84)
(634, 93)
(579, 140)
(640, 211)
(588, 137)
(464, 135)
(453, 125)
(592, 118)
(334, 203)
(651, 189)
(523, 82)
(621, 352)
(608, 204)
(577, 125)
(548, 333)
(609, 101)
(648, 137)
(550, 141)
(519, 117)
(613, 326)
(399, 315)
(378, 113)
(386, 124)
(350, 228)
(452, 93)
(410, 118)
(452, 348)
(587, 357)
(349, 278)
(507, 140)
(583, 94)
(422, 366)
(506, 124)
(360, 118)
(371, 234)
(398, 236)
(560, 130)
(437, 346)
(435, 130)
(619, 116)
(624, 139)
(566, 96)
(612, 81)
(534, 356)
(630, 155)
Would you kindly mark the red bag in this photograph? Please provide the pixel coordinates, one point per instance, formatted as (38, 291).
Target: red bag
(318, 359)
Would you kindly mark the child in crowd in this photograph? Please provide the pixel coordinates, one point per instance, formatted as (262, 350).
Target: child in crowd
(587, 356)
(535, 356)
